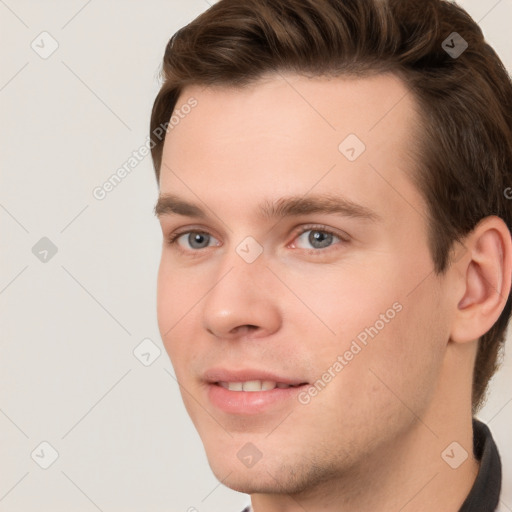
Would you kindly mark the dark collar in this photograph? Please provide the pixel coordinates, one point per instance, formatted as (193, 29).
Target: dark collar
(485, 493)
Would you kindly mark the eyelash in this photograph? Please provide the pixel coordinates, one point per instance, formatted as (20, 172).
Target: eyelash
(172, 240)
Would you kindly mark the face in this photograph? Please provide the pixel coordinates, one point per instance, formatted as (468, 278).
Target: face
(308, 266)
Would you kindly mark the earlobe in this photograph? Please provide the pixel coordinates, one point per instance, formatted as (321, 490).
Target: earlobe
(486, 273)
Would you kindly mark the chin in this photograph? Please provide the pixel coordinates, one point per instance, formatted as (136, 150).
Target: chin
(249, 481)
(267, 476)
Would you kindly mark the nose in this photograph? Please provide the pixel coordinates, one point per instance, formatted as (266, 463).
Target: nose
(243, 301)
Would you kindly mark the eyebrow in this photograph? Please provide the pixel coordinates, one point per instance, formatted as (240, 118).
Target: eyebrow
(290, 206)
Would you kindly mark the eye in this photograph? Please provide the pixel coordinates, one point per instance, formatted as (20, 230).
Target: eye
(319, 237)
(195, 240)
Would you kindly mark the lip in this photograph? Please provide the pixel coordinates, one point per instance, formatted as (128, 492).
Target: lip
(250, 402)
(214, 375)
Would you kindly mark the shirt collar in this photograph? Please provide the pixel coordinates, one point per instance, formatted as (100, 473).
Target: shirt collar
(485, 493)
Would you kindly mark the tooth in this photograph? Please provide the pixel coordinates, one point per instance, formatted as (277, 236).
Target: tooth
(252, 385)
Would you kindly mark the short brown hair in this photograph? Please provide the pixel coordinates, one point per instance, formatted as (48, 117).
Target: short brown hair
(465, 152)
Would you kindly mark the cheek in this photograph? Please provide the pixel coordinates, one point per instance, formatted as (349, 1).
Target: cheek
(393, 374)
(179, 298)
(176, 294)
(165, 300)
(399, 369)
(174, 302)
(341, 300)
(391, 339)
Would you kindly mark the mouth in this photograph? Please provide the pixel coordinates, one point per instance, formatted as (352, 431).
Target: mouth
(243, 394)
(249, 379)
(251, 391)
(252, 386)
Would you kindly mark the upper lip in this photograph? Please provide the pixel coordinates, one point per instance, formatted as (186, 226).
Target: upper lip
(214, 375)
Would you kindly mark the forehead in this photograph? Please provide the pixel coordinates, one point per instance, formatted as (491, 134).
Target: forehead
(290, 135)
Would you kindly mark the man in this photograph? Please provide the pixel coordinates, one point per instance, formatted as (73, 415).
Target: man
(335, 278)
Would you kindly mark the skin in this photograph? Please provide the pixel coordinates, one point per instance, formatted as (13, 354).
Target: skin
(372, 439)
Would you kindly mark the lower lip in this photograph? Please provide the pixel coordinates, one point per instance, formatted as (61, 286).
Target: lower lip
(250, 402)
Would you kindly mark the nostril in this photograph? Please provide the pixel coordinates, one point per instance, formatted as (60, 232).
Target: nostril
(243, 328)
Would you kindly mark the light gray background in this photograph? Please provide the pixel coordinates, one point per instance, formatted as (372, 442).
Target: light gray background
(69, 326)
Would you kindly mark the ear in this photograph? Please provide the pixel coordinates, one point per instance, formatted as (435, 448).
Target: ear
(484, 272)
